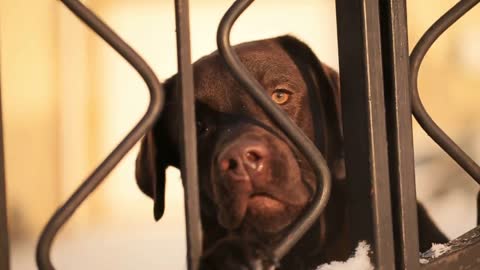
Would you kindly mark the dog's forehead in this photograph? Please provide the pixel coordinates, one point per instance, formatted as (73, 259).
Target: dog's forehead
(266, 60)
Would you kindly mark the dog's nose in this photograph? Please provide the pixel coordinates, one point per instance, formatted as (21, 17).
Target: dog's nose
(242, 160)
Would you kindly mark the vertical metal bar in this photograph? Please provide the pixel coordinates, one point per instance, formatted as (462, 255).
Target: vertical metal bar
(188, 132)
(364, 127)
(4, 246)
(399, 129)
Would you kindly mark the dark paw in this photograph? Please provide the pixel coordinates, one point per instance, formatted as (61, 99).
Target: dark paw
(234, 253)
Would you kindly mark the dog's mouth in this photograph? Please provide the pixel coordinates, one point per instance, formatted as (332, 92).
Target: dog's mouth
(262, 197)
(264, 203)
(267, 213)
(261, 194)
(257, 209)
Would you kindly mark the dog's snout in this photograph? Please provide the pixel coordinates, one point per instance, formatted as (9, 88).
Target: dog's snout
(243, 160)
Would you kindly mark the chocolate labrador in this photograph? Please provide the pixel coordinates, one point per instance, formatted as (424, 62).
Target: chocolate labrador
(254, 183)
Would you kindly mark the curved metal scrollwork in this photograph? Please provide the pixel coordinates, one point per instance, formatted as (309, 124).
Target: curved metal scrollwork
(91, 183)
(283, 121)
(432, 129)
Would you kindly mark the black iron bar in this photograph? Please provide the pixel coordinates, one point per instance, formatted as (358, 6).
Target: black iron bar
(399, 130)
(4, 244)
(419, 111)
(294, 133)
(188, 132)
(364, 123)
(91, 183)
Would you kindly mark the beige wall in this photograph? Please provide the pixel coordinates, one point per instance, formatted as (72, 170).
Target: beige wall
(449, 73)
(30, 98)
(49, 112)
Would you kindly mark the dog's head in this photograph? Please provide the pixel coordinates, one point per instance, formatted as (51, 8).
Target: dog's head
(252, 178)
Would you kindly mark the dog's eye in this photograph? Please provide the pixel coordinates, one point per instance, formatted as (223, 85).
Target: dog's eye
(202, 128)
(280, 96)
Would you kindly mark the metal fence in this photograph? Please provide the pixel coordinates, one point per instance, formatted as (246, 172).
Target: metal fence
(379, 88)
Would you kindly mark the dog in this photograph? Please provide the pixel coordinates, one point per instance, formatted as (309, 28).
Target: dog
(254, 184)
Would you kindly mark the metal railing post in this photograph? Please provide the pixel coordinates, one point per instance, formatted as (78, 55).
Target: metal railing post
(363, 108)
(188, 135)
(399, 130)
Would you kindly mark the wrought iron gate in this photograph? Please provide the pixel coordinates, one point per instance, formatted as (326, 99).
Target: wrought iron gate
(379, 95)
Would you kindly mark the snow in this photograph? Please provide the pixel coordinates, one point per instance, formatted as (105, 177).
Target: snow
(359, 261)
(439, 249)
(434, 252)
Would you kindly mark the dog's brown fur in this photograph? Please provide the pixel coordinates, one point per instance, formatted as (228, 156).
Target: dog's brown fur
(248, 203)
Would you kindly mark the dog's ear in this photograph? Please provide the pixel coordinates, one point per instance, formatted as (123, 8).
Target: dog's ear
(157, 152)
(324, 86)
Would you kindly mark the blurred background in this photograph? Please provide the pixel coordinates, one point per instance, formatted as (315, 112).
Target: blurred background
(68, 99)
